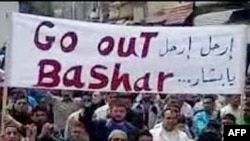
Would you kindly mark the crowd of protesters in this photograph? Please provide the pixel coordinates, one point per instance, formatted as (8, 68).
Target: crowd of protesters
(63, 115)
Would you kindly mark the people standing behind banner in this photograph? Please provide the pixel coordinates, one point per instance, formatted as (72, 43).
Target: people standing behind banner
(202, 117)
(169, 130)
(44, 129)
(132, 116)
(63, 106)
(78, 132)
(11, 133)
(182, 122)
(149, 109)
(233, 107)
(117, 120)
(220, 102)
(19, 108)
(227, 119)
(186, 110)
(103, 111)
(86, 102)
(97, 99)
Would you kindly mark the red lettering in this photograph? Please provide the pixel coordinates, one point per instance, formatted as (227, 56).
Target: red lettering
(99, 76)
(49, 39)
(53, 75)
(117, 79)
(148, 36)
(145, 83)
(130, 50)
(107, 50)
(73, 43)
(76, 79)
(162, 77)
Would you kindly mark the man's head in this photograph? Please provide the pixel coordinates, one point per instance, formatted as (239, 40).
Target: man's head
(20, 100)
(126, 98)
(246, 111)
(235, 100)
(144, 135)
(97, 98)
(118, 110)
(110, 96)
(209, 103)
(228, 119)
(172, 99)
(78, 132)
(86, 99)
(67, 95)
(118, 135)
(147, 97)
(40, 115)
(11, 133)
(173, 107)
(170, 119)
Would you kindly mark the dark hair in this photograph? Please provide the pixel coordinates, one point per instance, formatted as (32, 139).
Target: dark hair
(168, 109)
(247, 104)
(118, 103)
(18, 94)
(143, 133)
(39, 108)
(230, 117)
(212, 97)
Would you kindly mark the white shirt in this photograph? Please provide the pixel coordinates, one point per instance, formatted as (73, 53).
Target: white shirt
(72, 117)
(229, 110)
(187, 110)
(160, 134)
(62, 110)
(101, 112)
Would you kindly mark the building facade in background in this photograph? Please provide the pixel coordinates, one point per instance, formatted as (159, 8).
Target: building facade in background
(6, 7)
(126, 12)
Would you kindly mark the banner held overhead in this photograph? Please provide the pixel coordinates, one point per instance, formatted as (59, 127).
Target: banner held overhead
(65, 54)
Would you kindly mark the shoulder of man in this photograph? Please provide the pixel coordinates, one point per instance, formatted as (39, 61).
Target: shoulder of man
(199, 112)
(130, 126)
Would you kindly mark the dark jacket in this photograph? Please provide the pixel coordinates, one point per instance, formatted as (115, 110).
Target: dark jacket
(100, 129)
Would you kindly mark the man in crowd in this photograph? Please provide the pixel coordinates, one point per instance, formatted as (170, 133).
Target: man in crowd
(86, 99)
(245, 120)
(182, 124)
(149, 109)
(103, 111)
(202, 117)
(227, 119)
(63, 106)
(117, 120)
(78, 132)
(233, 107)
(19, 109)
(169, 130)
(132, 116)
(211, 132)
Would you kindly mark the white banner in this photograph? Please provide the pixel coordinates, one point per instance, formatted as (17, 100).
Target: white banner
(65, 54)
